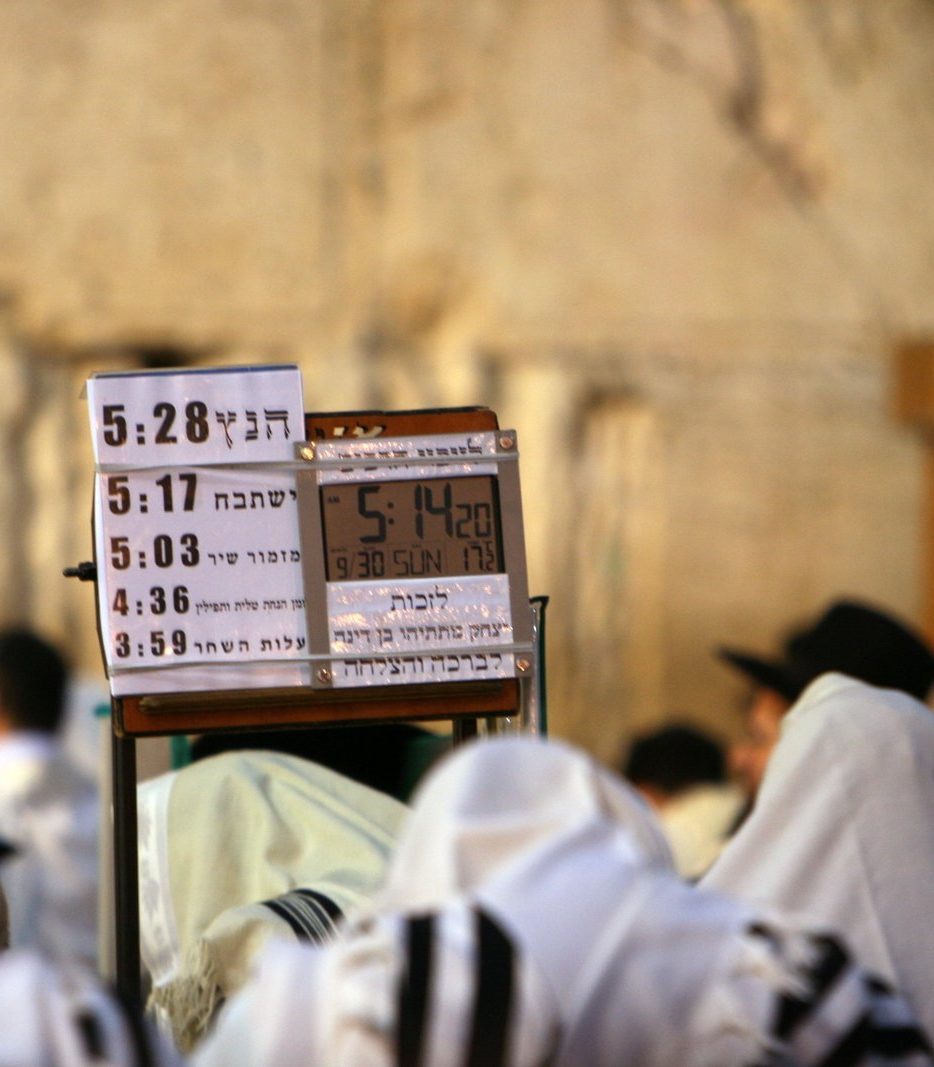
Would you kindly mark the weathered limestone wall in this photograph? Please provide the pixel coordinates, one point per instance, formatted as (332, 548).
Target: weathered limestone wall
(671, 242)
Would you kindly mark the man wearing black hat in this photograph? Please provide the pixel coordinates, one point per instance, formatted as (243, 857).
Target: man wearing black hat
(850, 637)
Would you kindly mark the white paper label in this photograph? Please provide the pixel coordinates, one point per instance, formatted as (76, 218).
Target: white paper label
(200, 580)
(420, 630)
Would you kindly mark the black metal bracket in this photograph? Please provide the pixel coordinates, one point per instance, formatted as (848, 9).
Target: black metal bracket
(85, 571)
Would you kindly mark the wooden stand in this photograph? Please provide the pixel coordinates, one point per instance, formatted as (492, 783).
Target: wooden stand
(463, 703)
(914, 404)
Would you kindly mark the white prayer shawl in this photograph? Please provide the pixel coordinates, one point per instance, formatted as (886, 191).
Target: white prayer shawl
(4, 921)
(241, 848)
(49, 812)
(697, 823)
(53, 1015)
(536, 886)
(341, 1006)
(843, 829)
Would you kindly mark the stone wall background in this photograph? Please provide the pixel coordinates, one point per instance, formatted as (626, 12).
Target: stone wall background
(672, 242)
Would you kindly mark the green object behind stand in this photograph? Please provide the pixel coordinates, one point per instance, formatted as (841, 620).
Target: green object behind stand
(180, 752)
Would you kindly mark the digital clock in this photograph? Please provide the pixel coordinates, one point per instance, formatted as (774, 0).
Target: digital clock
(416, 528)
(414, 560)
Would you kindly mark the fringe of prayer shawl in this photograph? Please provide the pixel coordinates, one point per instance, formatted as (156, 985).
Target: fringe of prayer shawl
(190, 1002)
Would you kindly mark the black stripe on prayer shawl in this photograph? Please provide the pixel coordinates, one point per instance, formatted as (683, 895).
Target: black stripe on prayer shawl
(311, 915)
(493, 997)
(7, 849)
(766, 933)
(136, 1030)
(89, 1027)
(852, 1048)
(895, 1033)
(885, 1029)
(898, 1042)
(413, 990)
(875, 984)
(832, 961)
(333, 911)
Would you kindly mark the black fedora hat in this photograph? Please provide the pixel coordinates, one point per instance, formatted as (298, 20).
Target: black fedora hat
(852, 638)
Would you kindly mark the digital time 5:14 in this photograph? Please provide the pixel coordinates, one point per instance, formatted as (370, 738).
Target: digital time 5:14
(417, 528)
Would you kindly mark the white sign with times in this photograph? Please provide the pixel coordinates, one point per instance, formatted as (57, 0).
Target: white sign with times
(196, 529)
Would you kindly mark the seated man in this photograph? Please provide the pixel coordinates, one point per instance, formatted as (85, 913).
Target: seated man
(530, 916)
(850, 637)
(240, 848)
(843, 829)
(681, 771)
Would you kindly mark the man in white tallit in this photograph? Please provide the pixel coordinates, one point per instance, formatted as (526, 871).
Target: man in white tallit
(850, 637)
(4, 914)
(843, 829)
(58, 1015)
(530, 918)
(240, 848)
(49, 810)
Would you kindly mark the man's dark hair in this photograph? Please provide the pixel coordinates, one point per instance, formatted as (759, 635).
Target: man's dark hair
(32, 681)
(674, 758)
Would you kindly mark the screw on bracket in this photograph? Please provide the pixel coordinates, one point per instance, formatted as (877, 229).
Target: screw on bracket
(324, 675)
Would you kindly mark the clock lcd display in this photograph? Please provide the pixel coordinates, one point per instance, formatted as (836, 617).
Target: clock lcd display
(419, 528)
